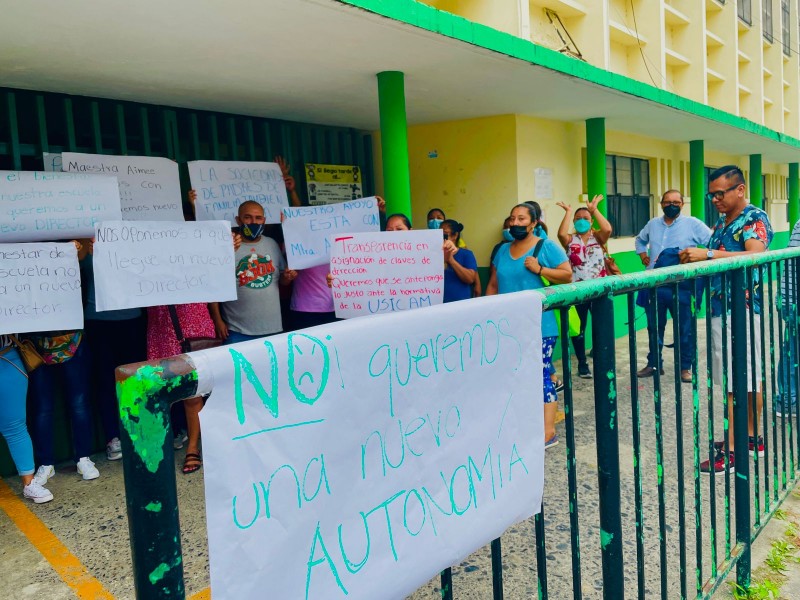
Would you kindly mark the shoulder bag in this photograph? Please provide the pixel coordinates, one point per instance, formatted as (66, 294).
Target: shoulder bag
(190, 344)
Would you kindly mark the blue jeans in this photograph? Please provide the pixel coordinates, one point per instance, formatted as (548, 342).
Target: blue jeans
(73, 377)
(12, 411)
(686, 334)
(234, 337)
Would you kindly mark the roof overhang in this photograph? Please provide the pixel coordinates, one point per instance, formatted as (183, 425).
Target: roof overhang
(316, 61)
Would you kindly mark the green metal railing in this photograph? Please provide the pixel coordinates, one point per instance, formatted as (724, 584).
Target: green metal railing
(630, 500)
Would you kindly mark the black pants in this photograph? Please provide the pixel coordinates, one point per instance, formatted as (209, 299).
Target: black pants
(579, 341)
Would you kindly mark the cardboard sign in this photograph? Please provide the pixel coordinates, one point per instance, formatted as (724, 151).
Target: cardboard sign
(40, 288)
(149, 186)
(329, 184)
(349, 462)
(155, 263)
(38, 205)
(386, 272)
(223, 185)
(307, 229)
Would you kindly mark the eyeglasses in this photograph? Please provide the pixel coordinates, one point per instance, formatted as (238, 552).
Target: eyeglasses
(675, 203)
(720, 194)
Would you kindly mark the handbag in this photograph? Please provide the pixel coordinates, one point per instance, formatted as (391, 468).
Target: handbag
(28, 353)
(612, 268)
(190, 344)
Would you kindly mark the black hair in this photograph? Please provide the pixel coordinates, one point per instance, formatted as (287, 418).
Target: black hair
(664, 195)
(731, 172)
(401, 216)
(534, 210)
(580, 208)
(454, 225)
(435, 210)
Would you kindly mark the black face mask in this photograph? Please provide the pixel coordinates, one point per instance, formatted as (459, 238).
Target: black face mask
(518, 232)
(671, 211)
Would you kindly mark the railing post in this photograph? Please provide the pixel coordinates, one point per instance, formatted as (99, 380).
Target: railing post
(738, 350)
(605, 400)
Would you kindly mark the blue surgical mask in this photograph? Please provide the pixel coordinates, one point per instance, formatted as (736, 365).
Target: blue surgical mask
(582, 226)
(251, 231)
(434, 223)
(507, 235)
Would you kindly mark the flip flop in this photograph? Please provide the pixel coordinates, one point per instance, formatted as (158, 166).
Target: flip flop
(192, 463)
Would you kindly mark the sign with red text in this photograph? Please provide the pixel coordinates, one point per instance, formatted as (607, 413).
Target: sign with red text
(222, 186)
(152, 263)
(345, 462)
(392, 271)
(307, 229)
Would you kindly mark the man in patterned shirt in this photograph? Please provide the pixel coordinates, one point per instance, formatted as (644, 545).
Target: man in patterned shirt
(741, 229)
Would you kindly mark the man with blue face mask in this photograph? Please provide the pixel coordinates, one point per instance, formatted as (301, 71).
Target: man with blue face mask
(666, 235)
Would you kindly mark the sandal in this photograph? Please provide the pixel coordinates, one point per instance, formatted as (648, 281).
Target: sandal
(192, 463)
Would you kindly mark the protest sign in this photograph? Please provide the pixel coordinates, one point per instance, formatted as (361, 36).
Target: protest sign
(386, 272)
(307, 229)
(40, 287)
(345, 461)
(51, 161)
(328, 184)
(151, 263)
(38, 205)
(223, 185)
(149, 186)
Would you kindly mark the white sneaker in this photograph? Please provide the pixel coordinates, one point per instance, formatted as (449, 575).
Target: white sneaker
(87, 469)
(43, 473)
(180, 440)
(36, 492)
(114, 449)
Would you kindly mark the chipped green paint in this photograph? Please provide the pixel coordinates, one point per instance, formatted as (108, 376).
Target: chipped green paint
(605, 539)
(612, 422)
(158, 573)
(153, 507)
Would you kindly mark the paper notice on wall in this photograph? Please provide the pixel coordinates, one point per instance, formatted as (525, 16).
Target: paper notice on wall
(40, 288)
(152, 263)
(307, 229)
(543, 184)
(51, 161)
(41, 206)
(351, 462)
(329, 184)
(386, 272)
(223, 185)
(149, 186)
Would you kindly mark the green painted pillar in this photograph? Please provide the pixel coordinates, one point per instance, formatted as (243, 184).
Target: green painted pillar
(697, 183)
(794, 193)
(756, 181)
(596, 160)
(394, 142)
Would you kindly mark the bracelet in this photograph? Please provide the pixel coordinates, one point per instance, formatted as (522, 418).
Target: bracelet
(541, 268)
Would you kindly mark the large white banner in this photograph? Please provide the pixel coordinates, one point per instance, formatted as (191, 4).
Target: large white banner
(146, 263)
(307, 229)
(40, 287)
(40, 206)
(223, 185)
(346, 461)
(149, 186)
(386, 272)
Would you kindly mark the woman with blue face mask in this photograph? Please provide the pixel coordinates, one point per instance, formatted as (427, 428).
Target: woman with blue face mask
(584, 246)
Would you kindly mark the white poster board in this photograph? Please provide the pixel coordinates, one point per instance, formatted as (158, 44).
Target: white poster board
(40, 206)
(328, 442)
(223, 185)
(328, 184)
(386, 272)
(40, 287)
(152, 263)
(307, 229)
(51, 161)
(149, 186)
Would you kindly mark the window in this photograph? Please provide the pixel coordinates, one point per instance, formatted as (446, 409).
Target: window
(744, 9)
(628, 186)
(766, 19)
(786, 35)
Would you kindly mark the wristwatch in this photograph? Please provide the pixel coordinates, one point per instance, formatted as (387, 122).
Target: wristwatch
(709, 254)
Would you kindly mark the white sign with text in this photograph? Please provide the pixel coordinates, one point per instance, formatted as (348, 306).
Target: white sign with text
(152, 263)
(352, 462)
(307, 229)
(222, 186)
(43, 206)
(40, 288)
(149, 186)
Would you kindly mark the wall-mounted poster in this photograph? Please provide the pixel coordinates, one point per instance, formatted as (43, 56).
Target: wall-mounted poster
(328, 184)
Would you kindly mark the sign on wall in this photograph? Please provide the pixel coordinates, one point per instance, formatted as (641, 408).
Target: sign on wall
(307, 229)
(386, 272)
(354, 462)
(146, 263)
(328, 184)
(40, 206)
(40, 288)
(222, 186)
(149, 186)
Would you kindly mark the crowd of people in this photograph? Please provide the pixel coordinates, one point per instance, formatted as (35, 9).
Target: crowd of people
(82, 363)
